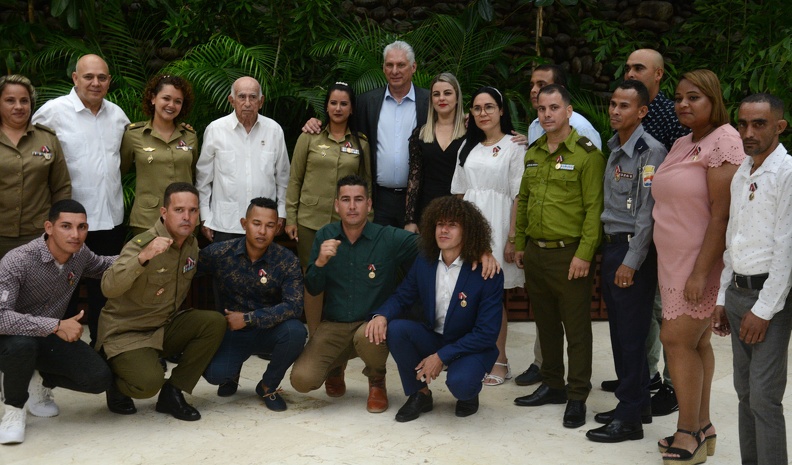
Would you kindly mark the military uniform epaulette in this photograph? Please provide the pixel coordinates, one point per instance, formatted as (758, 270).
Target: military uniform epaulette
(641, 145)
(532, 144)
(143, 238)
(44, 128)
(586, 143)
(138, 125)
(362, 136)
(187, 127)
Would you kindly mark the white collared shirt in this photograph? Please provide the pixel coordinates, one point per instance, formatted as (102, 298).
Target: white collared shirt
(395, 125)
(445, 282)
(577, 121)
(236, 166)
(92, 146)
(759, 235)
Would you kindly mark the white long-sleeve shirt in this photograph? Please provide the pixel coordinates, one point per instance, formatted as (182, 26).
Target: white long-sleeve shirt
(759, 235)
(236, 166)
(92, 145)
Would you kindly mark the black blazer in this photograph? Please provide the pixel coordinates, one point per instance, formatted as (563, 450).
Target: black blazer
(367, 111)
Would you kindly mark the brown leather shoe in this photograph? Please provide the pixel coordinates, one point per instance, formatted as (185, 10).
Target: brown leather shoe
(334, 384)
(378, 396)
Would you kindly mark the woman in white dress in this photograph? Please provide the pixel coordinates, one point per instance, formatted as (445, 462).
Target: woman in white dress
(488, 174)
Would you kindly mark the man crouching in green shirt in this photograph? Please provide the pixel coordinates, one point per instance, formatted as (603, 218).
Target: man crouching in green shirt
(558, 230)
(355, 263)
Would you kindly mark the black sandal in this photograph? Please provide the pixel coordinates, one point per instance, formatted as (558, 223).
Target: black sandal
(699, 455)
(710, 440)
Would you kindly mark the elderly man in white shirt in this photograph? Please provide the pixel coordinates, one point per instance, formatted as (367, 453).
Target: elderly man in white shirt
(754, 302)
(243, 157)
(90, 129)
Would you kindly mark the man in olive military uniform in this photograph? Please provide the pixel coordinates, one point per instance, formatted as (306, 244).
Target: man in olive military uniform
(558, 231)
(629, 261)
(143, 319)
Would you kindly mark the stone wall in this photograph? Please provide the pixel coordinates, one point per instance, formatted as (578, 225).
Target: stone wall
(562, 41)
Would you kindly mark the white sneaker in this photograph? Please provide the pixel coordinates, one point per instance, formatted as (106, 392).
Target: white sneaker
(12, 427)
(41, 403)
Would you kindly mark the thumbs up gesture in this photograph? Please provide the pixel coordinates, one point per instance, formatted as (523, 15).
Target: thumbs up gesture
(70, 329)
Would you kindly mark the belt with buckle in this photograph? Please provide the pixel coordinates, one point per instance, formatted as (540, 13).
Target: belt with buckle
(559, 244)
(618, 238)
(398, 190)
(755, 282)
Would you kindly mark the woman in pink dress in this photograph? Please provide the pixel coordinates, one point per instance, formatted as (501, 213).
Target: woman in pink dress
(691, 190)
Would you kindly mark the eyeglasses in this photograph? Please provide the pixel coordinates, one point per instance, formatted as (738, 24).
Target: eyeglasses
(488, 109)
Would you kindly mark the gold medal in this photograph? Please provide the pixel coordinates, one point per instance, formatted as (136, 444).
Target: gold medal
(263, 280)
(372, 275)
(150, 159)
(372, 270)
(463, 303)
(751, 197)
(263, 275)
(558, 166)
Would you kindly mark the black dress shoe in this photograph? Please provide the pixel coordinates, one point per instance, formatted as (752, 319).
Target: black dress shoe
(575, 414)
(664, 402)
(616, 431)
(229, 388)
(610, 385)
(466, 408)
(119, 403)
(416, 404)
(543, 395)
(607, 417)
(530, 376)
(171, 400)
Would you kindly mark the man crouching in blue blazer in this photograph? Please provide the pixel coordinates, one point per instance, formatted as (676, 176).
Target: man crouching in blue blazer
(462, 311)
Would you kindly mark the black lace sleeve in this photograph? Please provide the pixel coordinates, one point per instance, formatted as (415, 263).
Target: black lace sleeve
(414, 178)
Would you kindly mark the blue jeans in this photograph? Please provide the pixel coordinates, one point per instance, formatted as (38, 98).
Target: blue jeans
(284, 342)
(72, 365)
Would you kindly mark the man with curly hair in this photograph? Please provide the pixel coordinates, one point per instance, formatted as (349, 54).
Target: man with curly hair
(461, 311)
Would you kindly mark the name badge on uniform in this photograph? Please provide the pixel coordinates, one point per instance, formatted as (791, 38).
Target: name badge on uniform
(183, 146)
(189, 265)
(531, 164)
(566, 167)
(351, 150)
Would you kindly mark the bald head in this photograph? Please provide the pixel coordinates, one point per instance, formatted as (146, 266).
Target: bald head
(91, 79)
(247, 100)
(646, 65)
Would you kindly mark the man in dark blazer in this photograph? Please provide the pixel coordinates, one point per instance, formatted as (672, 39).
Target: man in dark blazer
(400, 107)
(462, 311)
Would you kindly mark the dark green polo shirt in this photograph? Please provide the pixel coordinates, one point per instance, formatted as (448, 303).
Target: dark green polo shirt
(350, 291)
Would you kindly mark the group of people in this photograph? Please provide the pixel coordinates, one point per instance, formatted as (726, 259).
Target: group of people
(409, 222)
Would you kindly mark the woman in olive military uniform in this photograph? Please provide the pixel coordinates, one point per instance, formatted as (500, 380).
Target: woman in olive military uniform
(318, 162)
(162, 151)
(33, 172)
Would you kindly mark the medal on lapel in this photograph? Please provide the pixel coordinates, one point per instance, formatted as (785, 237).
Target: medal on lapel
(559, 160)
(752, 188)
(463, 298)
(188, 265)
(263, 275)
(617, 173)
(372, 269)
(70, 278)
(495, 151)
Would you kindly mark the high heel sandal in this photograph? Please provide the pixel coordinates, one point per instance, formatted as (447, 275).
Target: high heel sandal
(699, 455)
(495, 380)
(710, 440)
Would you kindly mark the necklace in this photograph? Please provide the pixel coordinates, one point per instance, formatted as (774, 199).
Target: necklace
(488, 142)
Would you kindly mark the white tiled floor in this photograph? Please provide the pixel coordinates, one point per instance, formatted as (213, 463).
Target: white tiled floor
(317, 429)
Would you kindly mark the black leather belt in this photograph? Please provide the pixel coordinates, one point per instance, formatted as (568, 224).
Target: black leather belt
(619, 238)
(755, 282)
(400, 190)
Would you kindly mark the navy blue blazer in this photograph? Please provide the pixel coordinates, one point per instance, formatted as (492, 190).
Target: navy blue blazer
(471, 329)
